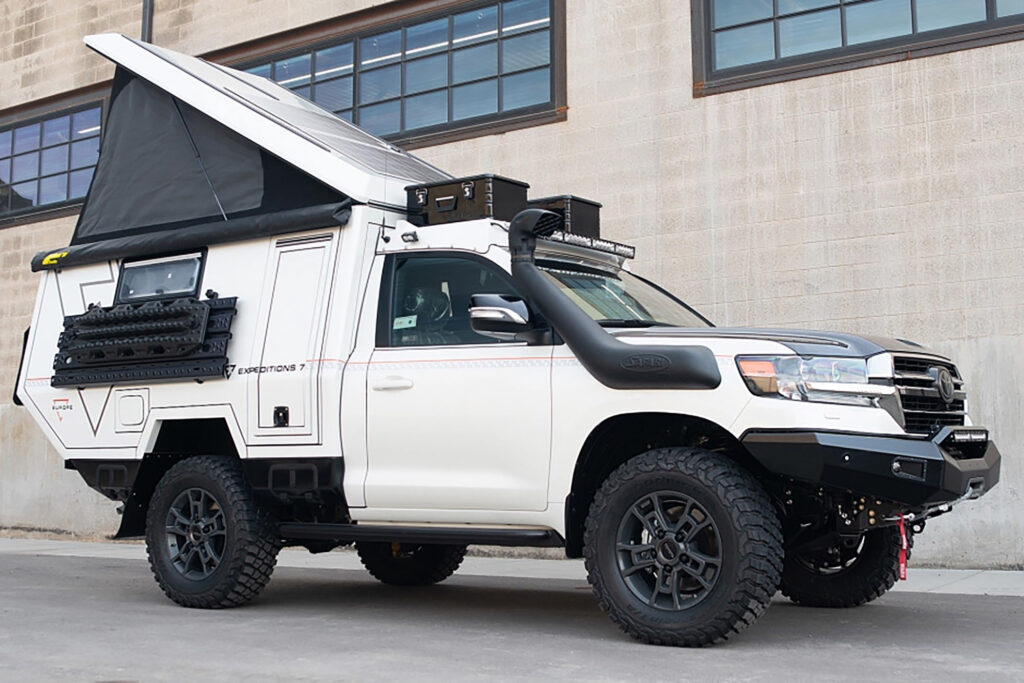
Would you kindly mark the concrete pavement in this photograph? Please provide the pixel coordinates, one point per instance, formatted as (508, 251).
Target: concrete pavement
(91, 611)
(949, 581)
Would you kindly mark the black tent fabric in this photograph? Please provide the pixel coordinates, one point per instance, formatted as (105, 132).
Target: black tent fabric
(168, 174)
(164, 162)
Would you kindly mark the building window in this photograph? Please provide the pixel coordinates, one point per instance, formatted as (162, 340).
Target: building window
(489, 63)
(48, 162)
(745, 40)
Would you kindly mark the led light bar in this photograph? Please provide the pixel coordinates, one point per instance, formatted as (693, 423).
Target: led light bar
(973, 435)
(606, 246)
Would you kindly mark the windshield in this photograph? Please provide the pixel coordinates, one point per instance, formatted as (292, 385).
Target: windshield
(617, 298)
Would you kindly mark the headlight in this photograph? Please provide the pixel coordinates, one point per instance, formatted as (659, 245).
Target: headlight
(819, 379)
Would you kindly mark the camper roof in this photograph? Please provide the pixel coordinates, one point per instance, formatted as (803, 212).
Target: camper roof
(195, 154)
(334, 151)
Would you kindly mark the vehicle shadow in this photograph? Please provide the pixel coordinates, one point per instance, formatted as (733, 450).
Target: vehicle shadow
(565, 606)
(468, 600)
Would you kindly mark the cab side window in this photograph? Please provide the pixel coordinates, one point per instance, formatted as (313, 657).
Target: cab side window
(430, 298)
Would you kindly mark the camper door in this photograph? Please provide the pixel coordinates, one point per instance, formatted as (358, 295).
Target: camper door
(284, 391)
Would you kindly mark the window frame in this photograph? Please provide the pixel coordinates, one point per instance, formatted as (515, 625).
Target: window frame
(386, 299)
(160, 258)
(708, 81)
(67, 206)
(550, 112)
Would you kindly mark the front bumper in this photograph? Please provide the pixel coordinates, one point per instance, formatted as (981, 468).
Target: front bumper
(957, 462)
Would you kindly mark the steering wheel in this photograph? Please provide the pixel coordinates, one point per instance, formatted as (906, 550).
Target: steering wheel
(428, 305)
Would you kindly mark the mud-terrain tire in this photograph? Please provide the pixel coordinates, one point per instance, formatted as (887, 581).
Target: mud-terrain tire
(682, 547)
(410, 564)
(209, 544)
(868, 575)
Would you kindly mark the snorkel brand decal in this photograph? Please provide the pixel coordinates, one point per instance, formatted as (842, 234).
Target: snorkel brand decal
(646, 362)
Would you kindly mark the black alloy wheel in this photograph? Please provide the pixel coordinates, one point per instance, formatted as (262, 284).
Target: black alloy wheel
(196, 533)
(682, 547)
(209, 543)
(669, 551)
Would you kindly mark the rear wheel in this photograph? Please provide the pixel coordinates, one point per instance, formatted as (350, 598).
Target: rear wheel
(844, 575)
(682, 547)
(410, 564)
(209, 544)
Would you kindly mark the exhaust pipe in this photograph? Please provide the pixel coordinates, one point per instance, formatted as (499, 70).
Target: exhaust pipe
(612, 362)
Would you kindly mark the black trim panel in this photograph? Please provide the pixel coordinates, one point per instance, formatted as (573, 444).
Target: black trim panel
(113, 478)
(914, 472)
(344, 533)
(314, 479)
(195, 236)
(21, 361)
(277, 482)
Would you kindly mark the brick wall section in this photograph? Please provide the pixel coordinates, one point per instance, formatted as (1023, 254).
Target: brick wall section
(41, 40)
(198, 26)
(884, 200)
(41, 47)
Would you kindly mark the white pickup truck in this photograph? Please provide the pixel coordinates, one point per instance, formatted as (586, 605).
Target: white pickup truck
(271, 328)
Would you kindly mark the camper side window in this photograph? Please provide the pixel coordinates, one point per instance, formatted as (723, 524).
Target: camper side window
(160, 278)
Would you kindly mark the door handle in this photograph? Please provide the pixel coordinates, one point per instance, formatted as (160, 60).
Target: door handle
(391, 383)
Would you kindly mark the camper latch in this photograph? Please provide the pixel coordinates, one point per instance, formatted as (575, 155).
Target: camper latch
(280, 416)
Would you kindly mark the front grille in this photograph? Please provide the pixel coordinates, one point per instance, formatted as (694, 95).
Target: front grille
(924, 410)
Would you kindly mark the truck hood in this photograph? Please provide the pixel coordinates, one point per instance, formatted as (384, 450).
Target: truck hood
(802, 342)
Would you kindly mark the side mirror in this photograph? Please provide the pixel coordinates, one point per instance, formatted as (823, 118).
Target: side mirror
(499, 316)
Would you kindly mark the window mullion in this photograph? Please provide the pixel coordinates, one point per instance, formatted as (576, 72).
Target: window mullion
(775, 28)
(357, 78)
(500, 70)
(401, 81)
(450, 50)
(842, 24)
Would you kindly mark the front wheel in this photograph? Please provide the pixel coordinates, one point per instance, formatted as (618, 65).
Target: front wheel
(682, 547)
(410, 564)
(844, 575)
(209, 544)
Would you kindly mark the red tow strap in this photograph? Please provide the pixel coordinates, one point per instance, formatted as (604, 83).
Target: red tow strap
(903, 550)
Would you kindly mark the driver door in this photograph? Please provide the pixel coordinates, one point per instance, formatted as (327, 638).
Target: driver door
(455, 420)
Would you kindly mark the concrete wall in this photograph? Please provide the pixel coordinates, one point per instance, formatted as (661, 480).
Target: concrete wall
(881, 200)
(41, 40)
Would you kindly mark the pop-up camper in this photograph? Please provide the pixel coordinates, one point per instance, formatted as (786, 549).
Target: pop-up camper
(272, 328)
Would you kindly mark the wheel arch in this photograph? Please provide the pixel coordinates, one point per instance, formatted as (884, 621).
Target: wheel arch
(171, 440)
(621, 437)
